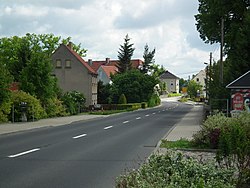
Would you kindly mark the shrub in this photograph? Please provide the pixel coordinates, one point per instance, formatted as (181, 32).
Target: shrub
(5, 109)
(122, 99)
(154, 100)
(55, 108)
(231, 136)
(144, 105)
(33, 109)
(173, 170)
(234, 148)
(209, 134)
(74, 101)
(133, 106)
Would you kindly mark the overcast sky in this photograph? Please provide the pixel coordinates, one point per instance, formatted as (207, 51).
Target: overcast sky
(101, 25)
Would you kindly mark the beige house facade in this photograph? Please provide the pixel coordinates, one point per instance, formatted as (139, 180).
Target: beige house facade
(172, 82)
(73, 73)
(200, 78)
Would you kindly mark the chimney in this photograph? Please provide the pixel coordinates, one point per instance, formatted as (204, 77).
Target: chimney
(107, 61)
(90, 62)
(70, 45)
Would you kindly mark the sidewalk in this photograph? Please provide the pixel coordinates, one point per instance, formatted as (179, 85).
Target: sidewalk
(6, 128)
(188, 125)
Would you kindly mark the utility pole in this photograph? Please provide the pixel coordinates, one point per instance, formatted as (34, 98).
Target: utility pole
(221, 50)
(210, 79)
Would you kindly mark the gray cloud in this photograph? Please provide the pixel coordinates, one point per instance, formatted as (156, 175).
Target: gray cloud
(68, 4)
(156, 14)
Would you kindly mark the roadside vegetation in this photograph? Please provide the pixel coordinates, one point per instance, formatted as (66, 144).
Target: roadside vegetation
(175, 171)
(38, 95)
(228, 137)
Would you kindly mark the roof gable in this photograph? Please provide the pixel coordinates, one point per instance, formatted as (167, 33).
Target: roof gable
(109, 70)
(241, 82)
(79, 58)
(168, 75)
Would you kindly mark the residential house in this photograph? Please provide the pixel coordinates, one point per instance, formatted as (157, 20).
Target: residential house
(240, 93)
(108, 67)
(73, 73)
(200, 78)
(172, 82)
(104, 73)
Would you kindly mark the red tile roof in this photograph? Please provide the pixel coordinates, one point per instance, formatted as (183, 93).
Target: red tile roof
(90, 69)
(109, 70)
(96, 64)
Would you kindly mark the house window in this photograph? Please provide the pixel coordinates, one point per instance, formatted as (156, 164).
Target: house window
(197, 79)
(68, 64)
(172, 84)
(58, 63)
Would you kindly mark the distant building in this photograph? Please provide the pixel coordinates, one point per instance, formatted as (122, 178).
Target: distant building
(104, 73)
(108, 67)
(200, 78)
(73, 73)
(172, 82)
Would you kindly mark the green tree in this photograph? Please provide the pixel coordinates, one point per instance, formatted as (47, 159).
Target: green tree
(122, 99)
(157, 70)
(40, 83)
(28, 60)
(137, 87)
(148, 60)
(5, 81)
(104, 94)
(236, 16)
(193, 88)
(125, 54)
(77, 48)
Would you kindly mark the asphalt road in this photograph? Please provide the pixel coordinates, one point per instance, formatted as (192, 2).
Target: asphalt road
(85, 154)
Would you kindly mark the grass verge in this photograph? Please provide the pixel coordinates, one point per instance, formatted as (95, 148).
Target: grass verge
(180, 144)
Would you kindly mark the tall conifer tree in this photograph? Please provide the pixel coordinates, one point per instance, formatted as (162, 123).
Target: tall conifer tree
(125, 54)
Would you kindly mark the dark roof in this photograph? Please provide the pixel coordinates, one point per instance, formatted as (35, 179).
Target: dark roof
(168, 75)
(240, 83)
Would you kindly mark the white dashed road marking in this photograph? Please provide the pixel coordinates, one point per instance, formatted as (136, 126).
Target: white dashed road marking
(125, 122)
(24, 153)
(109, 127)
(154, 113)
(79, 136)
(147, 115)
(138, 118)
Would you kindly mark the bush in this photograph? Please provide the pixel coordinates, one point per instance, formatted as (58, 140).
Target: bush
(55, 108)
(234, 148)
(122, 99)
(209, 134)
(154, 100)
(5, 109)
(74, 101)
(231, 136)
(133, 106)
(144, 105)
(33, 109)
(175, 171)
